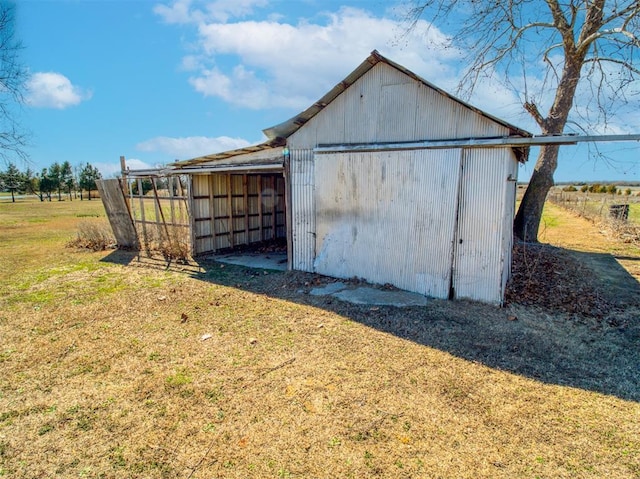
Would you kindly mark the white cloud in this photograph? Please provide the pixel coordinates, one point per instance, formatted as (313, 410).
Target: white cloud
(53, 90)
(179, 12)
(223, 10)
(189, 11)
(264, 64)
(273, 62)
(191, 146)
(108, 170)
(112, 169)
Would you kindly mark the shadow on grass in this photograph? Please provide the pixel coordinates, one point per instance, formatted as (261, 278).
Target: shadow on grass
(601, 355)
(621, 287)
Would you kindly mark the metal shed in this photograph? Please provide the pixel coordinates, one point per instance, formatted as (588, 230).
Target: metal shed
(381, 179)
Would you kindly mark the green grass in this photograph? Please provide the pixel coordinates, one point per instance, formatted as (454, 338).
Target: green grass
(634, 213)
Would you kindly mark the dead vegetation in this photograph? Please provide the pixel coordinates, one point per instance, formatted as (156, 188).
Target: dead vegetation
(93, 235)
(171, 242)
(118, 366)
(551, 278)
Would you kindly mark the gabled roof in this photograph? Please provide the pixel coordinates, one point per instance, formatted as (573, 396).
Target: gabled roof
(287, 128)
(278, 134)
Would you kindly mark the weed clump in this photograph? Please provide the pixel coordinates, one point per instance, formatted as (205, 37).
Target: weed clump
(96, 236)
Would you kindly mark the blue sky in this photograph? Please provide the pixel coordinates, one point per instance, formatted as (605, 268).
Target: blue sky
(158, 81)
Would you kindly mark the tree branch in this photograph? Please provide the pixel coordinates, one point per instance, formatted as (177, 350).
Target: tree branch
(561, 24)
(627, 13)
(626, 65)
(532, 108)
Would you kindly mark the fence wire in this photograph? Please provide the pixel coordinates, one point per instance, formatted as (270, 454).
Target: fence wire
(618, 214)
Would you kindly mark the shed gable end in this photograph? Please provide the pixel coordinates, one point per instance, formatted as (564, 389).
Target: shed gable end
(387, 105)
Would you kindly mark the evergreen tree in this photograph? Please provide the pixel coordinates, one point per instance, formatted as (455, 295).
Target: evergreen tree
(87, 179)
(66, 178)
(12, 179)
(46, 185)
(55, 176)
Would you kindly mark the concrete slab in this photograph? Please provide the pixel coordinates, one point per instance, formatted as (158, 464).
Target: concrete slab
(275, 261)
(379, 297)
(328, 289)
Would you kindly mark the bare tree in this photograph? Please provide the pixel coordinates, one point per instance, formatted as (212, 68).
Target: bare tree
(565, 44)
(13, 75)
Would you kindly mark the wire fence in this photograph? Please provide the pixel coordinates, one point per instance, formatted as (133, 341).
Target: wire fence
(618, 214)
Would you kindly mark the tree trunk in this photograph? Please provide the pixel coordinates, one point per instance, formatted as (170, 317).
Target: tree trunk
(527, 222)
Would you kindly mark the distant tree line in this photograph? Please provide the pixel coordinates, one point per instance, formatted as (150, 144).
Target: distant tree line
(610, 189)
(59, 179)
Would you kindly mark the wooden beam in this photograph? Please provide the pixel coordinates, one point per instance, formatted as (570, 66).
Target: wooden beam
(274, 206)
(212, 212)
(287, 210)
(260, 207)
(245, 205)
(230, 210)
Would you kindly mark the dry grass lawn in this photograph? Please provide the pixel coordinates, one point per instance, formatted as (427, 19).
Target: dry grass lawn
(576, 233)
(106, 373)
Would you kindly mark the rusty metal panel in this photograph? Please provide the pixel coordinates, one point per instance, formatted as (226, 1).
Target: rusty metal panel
(388, 217)
(485, 217)
(302, 210)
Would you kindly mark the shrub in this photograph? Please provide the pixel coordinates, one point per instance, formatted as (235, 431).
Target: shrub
(570, 188)
(93, 235)
(175, 247)
(584, 188)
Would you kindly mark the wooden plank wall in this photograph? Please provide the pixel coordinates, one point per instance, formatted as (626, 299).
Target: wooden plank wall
(238, 209)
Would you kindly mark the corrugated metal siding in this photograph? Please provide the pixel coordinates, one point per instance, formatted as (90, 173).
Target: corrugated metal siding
(470, 124)
(508, 218)
(483, 230)
(396, 242)
(386, 105)
(397, 113)
(375, 108)
(388, 217)
(302, 210)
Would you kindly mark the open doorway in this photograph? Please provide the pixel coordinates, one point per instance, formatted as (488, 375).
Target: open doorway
(240, 215)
